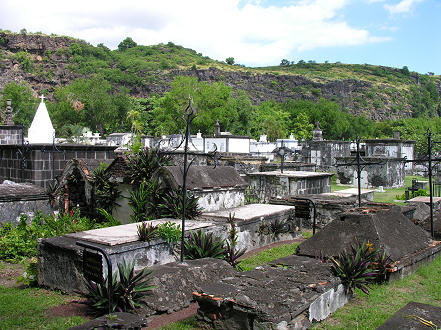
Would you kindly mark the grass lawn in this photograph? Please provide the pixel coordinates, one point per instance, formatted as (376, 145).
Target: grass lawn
(390, 195)
(369, 312)
(27, 309)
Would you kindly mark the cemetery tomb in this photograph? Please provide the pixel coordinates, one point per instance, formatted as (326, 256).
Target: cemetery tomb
(383, 171)
(289, 293)
(76, 183)
(385, 227)
(21, 198)
(60, 259)
(329, 206)
(218, 188)
(411, 315)
(41, 129)
(249, 220)
(266, 185)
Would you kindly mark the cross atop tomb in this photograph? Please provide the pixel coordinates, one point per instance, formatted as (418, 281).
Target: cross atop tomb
(42, 98)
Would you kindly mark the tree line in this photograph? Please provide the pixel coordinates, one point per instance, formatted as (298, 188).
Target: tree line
(97, 105)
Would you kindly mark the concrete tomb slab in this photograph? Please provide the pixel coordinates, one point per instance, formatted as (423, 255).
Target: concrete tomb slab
(407, 317)
(123, 234)
(250, 212)
(21, 198)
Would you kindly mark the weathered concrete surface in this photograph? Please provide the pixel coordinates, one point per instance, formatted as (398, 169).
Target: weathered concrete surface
(388, 229)
(175, 283)
(218, 188)
(60, 259)
(329, 206)
(402, 320)
(426, 200)
(22, 198)
(275, 296)
(289, 183)
(60, 265)
(118, 235)
(250, 218)
(122, 321)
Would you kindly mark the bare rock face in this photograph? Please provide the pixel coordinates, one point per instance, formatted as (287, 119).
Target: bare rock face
(33, 43)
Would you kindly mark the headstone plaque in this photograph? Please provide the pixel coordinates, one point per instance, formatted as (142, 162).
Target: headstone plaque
(93, 266)
(302, 209)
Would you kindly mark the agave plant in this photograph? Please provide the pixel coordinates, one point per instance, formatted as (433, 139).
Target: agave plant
(131, 287)
(203, 245)
(354, 268)
(128, 289)
(147, 231)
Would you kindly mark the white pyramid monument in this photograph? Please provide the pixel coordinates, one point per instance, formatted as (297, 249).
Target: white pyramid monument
(41, 130)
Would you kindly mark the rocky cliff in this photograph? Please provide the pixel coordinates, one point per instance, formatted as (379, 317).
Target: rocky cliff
(47, 62)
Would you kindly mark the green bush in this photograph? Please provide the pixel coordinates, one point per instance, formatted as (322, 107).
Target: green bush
(170, 231)
(19, 243)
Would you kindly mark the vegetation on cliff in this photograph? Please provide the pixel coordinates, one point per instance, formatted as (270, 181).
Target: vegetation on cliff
(144, 88)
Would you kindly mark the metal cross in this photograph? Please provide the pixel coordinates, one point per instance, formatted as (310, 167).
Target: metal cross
(361, 164)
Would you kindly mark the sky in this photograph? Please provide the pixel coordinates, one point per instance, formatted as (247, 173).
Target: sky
(255, 33)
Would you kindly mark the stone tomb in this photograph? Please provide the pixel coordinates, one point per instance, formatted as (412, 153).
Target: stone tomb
(385, 227)
(289, 183)
(218, 188)
(289, 293)
(60, 259)
(408, 317)
(329, 206)
(21, 198)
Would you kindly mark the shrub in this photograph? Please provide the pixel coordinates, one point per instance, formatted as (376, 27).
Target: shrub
(147, 231)
(142, 165)
(29, 277)
(353, 269)
(19, 243)
(171, 205)
(106, 191)
(128, 290)
(231, 254)
(363, 264)
(170, 231)
(202, 245)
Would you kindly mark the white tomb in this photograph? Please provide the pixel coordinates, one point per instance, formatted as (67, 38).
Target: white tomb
(41, 130)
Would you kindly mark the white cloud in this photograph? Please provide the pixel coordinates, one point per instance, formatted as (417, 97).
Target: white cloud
(404, 6)
(252, 33)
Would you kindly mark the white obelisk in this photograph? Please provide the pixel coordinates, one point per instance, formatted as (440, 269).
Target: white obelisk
(41, 130)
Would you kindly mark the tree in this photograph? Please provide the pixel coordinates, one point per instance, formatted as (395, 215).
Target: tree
(23, 102)
(230, 60)
(405, 70)
(90, 103)
(270, 118)
(211, 101)
(126, 44)
(284, 62)
(303, 128)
